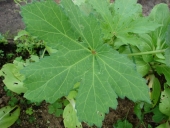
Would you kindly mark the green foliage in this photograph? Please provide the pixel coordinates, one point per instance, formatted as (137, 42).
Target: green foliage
(70, 113)
(8, 115)
(137, 110)
(32, 119)
(29, 111)
(158, 116)
(26, 43)
(164, 70)
(155, 89)
(70, 117)
(12, 78)
(56, 109)
(123, 124)
(164, 105)
(104, 74)
(3, 40)
(11, 73)
(13, 101)
(13, 98)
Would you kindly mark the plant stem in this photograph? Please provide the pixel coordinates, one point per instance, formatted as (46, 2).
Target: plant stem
(42, 56)
(146, 53)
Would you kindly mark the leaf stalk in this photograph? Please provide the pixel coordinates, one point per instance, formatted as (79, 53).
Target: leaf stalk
(147, 53)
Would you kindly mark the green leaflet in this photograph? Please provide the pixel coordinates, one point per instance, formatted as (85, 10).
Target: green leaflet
(82, 57)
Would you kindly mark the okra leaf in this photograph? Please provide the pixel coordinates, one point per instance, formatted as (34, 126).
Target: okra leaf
(103, 73)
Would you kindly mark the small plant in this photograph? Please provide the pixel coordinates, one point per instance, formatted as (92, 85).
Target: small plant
(29, 111)
(3, 40)
(56, 109)
(123, 124)
(26, 43)
(31, 119)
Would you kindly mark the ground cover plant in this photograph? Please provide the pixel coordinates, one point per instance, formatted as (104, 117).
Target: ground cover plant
(97, 51)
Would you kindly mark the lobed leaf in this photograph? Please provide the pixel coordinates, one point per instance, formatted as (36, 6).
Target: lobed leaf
(82, 57)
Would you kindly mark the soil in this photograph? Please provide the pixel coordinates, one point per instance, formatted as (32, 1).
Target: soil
(10, 20)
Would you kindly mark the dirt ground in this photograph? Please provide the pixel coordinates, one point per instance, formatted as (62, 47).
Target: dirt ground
(10, 20)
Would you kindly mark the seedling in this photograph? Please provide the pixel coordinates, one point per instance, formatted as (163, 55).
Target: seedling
(57, 107)
(123, 124)
(29, 111)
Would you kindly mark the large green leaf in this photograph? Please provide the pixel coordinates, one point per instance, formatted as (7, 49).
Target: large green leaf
(82, 57)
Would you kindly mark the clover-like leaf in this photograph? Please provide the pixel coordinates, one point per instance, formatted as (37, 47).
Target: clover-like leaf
(82, 57)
